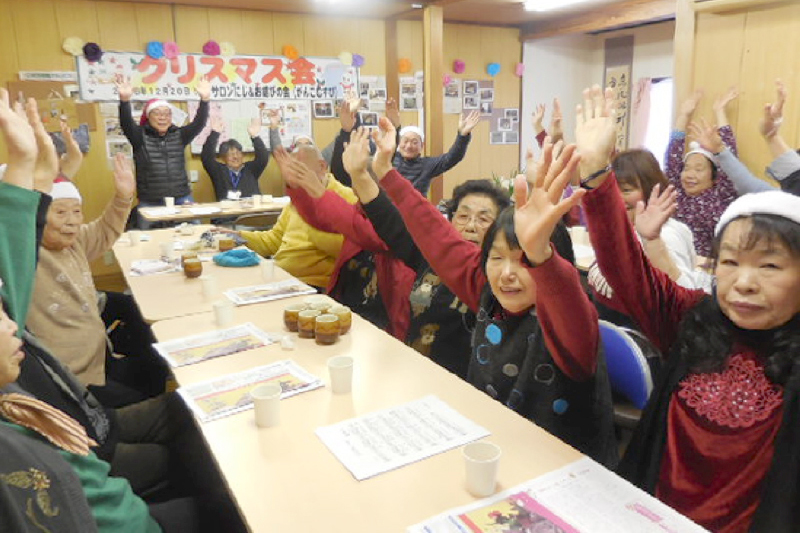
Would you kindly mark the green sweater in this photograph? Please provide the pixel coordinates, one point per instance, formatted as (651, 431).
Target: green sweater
(17, 249)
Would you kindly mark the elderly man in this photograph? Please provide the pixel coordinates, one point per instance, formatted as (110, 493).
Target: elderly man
(420, 170)
(305, 252)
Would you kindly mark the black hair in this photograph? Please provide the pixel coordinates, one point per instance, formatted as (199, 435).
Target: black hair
(504, 224)
(706, 335)
(484, 187)
(227, 145)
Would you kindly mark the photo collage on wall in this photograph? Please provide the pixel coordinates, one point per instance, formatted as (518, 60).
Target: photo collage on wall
(504, 126)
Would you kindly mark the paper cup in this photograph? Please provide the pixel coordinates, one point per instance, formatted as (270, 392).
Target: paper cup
(134, 237)
(169, 202)
(267, 269)
(266, 198)
(168, 250)
(209, 284)
(340, 369)
(481, 460)
(267, 404)
(256, 200)
(223, 313)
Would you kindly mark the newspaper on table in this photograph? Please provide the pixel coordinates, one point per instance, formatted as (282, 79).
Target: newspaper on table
(582, 497)
(269, 291)
(146, 267)
(197, 348)
(398, 436)
(226, 395)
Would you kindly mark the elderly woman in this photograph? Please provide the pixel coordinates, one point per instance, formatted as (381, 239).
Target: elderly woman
(64, 314)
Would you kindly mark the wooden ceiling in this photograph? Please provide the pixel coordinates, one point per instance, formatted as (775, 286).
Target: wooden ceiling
(486, 12)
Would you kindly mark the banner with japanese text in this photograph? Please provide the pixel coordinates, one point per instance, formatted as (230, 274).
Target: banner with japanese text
(232, 77)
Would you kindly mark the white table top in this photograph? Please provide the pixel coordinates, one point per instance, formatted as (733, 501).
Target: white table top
(221, 209)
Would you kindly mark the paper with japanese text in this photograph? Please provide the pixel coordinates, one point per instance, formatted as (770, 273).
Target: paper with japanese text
(197, 348)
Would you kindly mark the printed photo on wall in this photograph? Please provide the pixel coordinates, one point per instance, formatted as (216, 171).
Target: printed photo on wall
(408, 89)
(496, 137)
(363, 89)
(368, 119)
(486, 108)
(471, 102)
(511, 137)
(471, 87)
(115, 147)
(408, 103)
(504, 124)
(487, 95)
(323, 109)
(513, 114)
(377, 93)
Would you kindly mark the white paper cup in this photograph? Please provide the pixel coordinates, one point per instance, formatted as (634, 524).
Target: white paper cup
(267, 269)
(134, 237)
(228, 204)
(341, 372)
(256, 200)
(267, 404)
(169, 201)
(168, 250)
(209, 284)
(481, 460)
(266, 198)
(223, 313)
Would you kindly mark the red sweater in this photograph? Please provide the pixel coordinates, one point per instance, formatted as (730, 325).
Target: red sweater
(720, 426)
(567, 317)
(333, 214)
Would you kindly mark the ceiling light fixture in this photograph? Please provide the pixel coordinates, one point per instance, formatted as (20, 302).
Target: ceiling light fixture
(549, 5)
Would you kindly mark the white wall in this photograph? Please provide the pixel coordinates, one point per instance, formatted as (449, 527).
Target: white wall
(564, 66)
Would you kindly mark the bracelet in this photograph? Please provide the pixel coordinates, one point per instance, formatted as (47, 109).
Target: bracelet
(594, 175)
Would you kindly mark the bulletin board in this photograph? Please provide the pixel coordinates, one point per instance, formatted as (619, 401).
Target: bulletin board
(295, 120)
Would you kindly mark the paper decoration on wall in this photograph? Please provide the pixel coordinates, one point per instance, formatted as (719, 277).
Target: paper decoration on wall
(92, 52)
(459, 66)
(346, 58)
(155, 49)
(519, 70)
(227, 49)
(411, 92)
(289, 51)
(372, 91)
(504, 125)
(446, 79)
(452, 97)
(479, 95)
(358, 60)
(324, 109)
(211, 48)
(171, 50)
(493, 69)
(73, 46)
(404, 65)
(295, 120)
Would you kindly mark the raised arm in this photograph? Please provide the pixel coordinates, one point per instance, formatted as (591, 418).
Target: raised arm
(193, 129)
(645, 293)
(261, 159)
(457, 261)
(446, 161)
(208, 155)
(73, 157)
(132, 131)
(677, 140)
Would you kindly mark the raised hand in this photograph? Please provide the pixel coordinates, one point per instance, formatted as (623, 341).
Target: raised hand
(299, 175)
(773, 113)
(356, 154)
(274, 118)
(386, 143)
(46, 168)
(721, 103)
(217, 124)
(539, 210)
(204, 89)
(124, 89)
(20, 142)
(687, 109)
(254, 128)
(467, 123)
(707, 135)
(73, 157)
(393, 112)
(347, 116)
(556, 127)
(538, 117)
(652, 217)
(282, 158)
(124, 181)
(594, 133)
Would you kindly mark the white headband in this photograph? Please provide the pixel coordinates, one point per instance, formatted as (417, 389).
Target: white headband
(65, 190)
(695, 148)
(413, 129)
(776, 203)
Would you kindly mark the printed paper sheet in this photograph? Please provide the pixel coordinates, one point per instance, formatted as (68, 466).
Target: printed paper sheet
(226, 395)
(378, 442)
(198, 348)
(270, 291)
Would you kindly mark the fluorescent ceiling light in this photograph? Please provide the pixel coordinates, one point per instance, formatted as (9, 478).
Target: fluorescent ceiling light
(549, 5)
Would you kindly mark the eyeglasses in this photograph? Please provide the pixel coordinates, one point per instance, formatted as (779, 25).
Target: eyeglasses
(160, 114)
(481, 220)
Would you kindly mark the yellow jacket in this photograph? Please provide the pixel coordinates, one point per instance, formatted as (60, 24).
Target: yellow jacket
(303, 251)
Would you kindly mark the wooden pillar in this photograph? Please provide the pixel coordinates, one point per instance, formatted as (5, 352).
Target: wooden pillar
(683, 77)
(433, 65)
(392, 79)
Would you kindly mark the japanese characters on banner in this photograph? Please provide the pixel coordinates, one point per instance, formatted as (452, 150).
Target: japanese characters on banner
(619, 79)
(232, 77)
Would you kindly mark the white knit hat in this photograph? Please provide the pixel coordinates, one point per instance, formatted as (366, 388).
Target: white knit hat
(778, 203)
(413, 129)
(63, 189)
(695, 148)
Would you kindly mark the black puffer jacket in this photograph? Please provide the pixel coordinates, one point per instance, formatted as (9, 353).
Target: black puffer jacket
(160, 159)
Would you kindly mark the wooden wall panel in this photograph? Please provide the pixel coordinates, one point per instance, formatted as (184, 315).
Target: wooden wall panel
(154, 23)
(36, 29)
(76, 19)
(257, 34)
(118, 26)
(192, 28)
